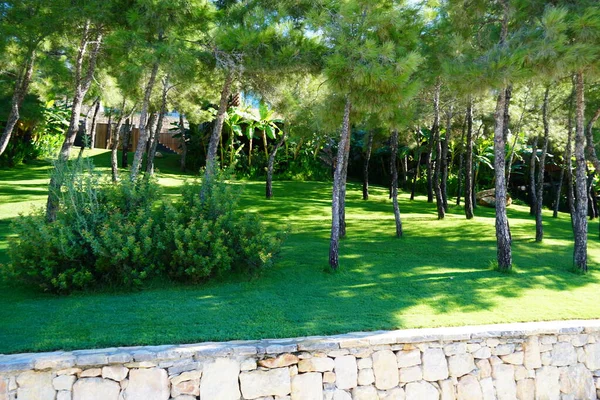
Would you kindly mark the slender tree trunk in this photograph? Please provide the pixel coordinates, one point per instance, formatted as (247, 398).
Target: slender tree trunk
(143, 137)
(444, 166)
(218, 127)
(514, 144)
(365, 188)
(539, 229)
(394, 145)
(161, 116)
(343, 187)
(461, 164)
(126, 138)
(21, 89)
(579, 218)
(114, 143)
(469, 193)
(532, 191)
(417, 170)
(337, 185)
(271, 165)
(590, 149)
(430, 161)
(82, 85)
(183, 143)
(503, 239)
(404, 171)
(93, 125)
(435, 133)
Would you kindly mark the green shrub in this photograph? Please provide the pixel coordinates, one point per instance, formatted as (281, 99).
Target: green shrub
(123, 234)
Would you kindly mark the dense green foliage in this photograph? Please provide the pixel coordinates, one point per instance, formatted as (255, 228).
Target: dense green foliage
(125, 234)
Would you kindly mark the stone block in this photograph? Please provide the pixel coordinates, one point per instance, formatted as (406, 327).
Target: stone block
(316, 364)
(578, 381)
(408, 358)
(435, 367)
(484, 368)
(515, 358)
(460, 364)
(447, 390)
(346, 372)
(468, 388)
(185, 376)
(63, 382)
(274, 382)
(385, 367)
(421, 391)
(329, 377)
(487, 389)
(363, 363)
(186, 388)
(592, 356)
(96, 389)
(147, 384)
(248, 364)
(504, 380)
(220, 380)
(341, 395)
(365, 393)
(563, 354)
(526, 389)
(55, 361)
(35, 386)
(116, 373)
(531, 353)
(455, 348)
(283, 360)
(504, 349)
(91, 373)
(365, 377)
(546, 383)
(307, 386)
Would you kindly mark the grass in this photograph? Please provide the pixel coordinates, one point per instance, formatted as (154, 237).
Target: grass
(439, 274)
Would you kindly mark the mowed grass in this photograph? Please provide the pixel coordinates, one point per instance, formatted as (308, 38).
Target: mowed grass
(439, 274)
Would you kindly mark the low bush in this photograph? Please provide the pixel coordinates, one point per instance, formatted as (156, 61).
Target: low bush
(124, 234)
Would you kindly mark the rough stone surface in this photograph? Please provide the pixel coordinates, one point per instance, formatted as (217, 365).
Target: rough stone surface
(283, 360)
(35, 386)
(115, 373)
(186, 376)
(365, 393)
(346, 372)
(91, 373)
(447, 389)
(483, 352)
(563, 354)
(411, 374)
(96, 389)
(435, 367)
(578, 381)
(365, 377)
(460, 364)
(63, 382)
(504, 349)
(275, 382)
(392, 394)
(592, 356)
(341, 395)
(421, 391)
(385, 367)
(307, 386)
(504, 380)
(484, 368)
(546, 383)
(363, 363)
(515, 358)
(526, 389)
(487, 389)
(147, 384)
(455, 348)
(220, 380)
(468, 388)
(316, 364)
(408, 358)
(186, 388)
(531, 356)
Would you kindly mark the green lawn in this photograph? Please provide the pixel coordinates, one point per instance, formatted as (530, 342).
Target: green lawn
(437, 275)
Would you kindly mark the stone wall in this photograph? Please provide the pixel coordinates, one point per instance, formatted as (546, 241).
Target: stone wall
(549, 360)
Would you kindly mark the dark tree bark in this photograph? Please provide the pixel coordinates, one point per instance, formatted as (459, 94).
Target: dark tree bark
(418, 166)
(82, 85)
(93, 124)
(337, 185)
(579, 217)
(435, 133)
(271, 166)
(503, 239)
(469, 162)
(144, 136)
(215, 137)
(461, 164)
(161, 116)
(539, 229)
(532, 191)
(114, 142)
(21, 89)
(591, 154)
(343, 187)
(394, 145)
(444, 165)
(125, 139)
(183, 144)
(365, 188)
(429, 161)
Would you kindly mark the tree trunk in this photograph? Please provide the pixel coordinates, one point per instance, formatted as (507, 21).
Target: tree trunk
(21, 89)
(461, 164)
(126, 138)
(183, 143)
(579, 217)
(143, 137)
(270, 167)
(429, 168)
(343, 187)
(365, 188)
(435, 133)
(469, 162)
(503, 239)
(161, 116)
(82, 85)
(93, 125)
(514, 144)
(539, 229)
(114, 143)
(444, 166)
(418, 166)
(566, 162)
(394, 145)
(532, 162)
(337, 186)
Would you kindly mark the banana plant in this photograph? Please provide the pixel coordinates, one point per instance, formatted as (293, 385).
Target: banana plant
(267, 125)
